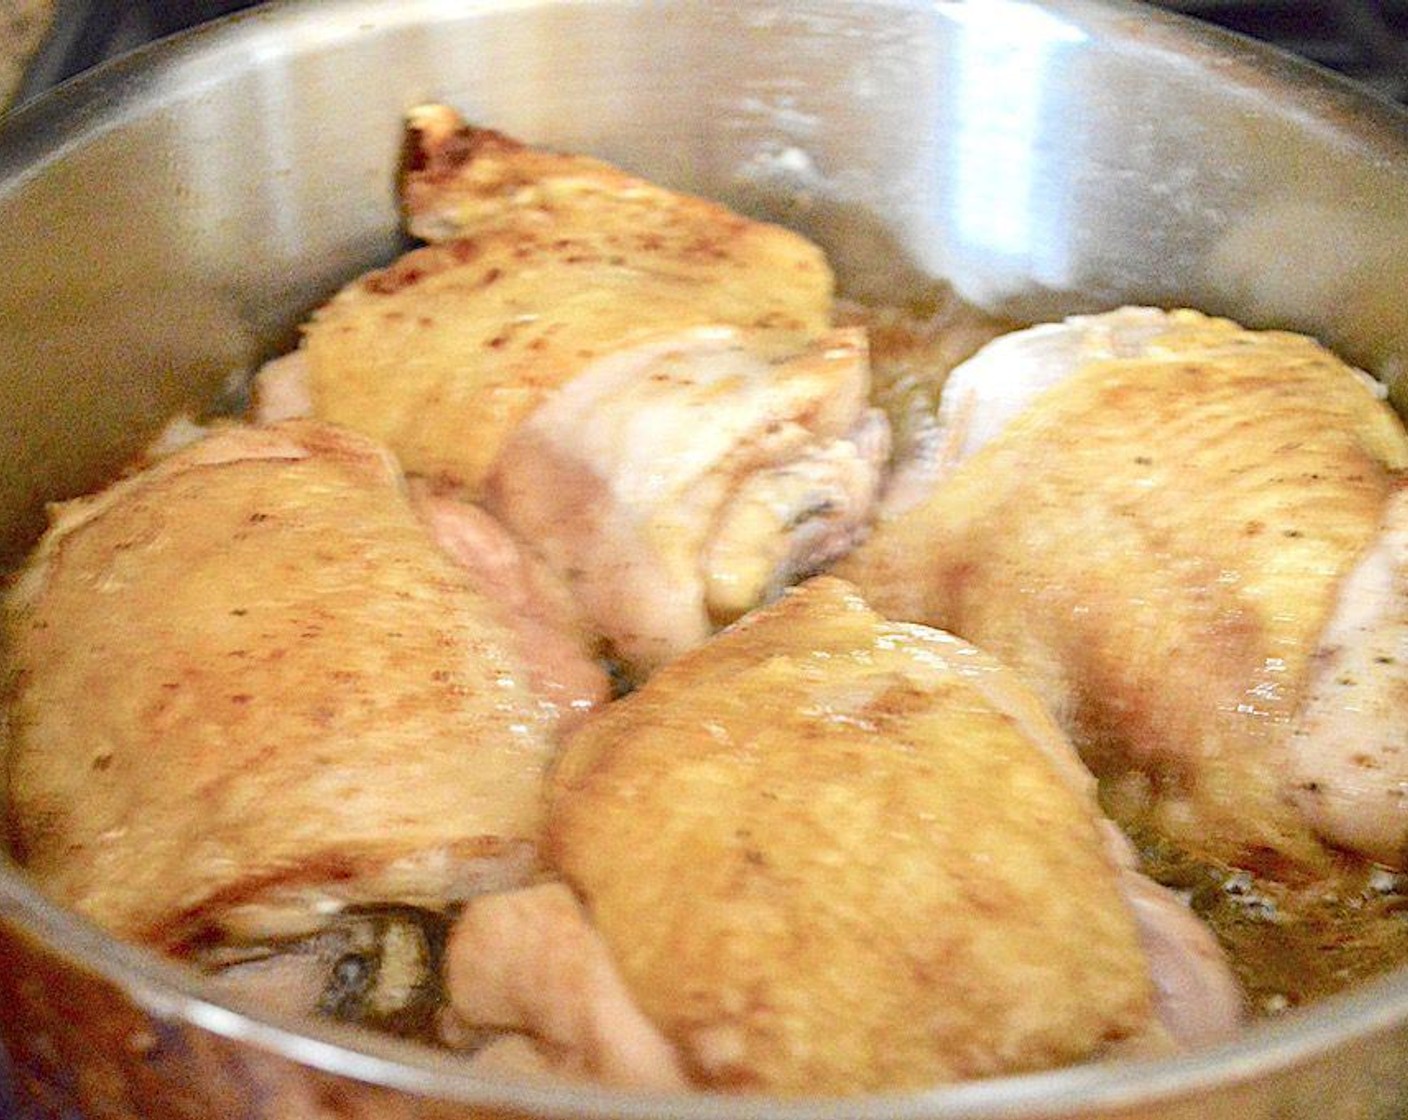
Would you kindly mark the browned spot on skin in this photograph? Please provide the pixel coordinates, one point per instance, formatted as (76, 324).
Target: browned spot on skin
(435, 158)
(710, 252)
(463, 250)
(392, 280)
(419, 265)
(416, 156)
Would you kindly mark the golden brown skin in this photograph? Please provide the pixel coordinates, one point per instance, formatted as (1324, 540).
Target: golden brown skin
(831, 854)
(1156, 543)
(542, 262)
(248, 687)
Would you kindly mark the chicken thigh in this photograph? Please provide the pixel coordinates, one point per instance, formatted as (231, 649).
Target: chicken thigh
(639, 382)
(248, 688)
(539, 264)
(1190, 538)
(825, 853)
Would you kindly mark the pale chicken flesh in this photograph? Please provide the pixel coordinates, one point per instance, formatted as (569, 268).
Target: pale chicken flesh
(559, 649)
(1159, 519)
(830, 854)
(529, 961)
(248, 688)
(1348, 744)
(677, 484)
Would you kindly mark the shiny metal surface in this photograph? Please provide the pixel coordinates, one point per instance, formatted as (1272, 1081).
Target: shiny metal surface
(165, 221)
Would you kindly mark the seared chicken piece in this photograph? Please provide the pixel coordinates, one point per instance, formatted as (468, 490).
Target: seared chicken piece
(248, 688)
(559, 649)
(543, 263)
(831, 854)
(1190, 538)
(640, 383)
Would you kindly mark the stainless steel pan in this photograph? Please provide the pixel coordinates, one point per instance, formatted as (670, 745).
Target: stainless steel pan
(165, 221)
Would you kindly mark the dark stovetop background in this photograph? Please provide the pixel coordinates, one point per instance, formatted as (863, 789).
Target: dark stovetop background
(1366, 40)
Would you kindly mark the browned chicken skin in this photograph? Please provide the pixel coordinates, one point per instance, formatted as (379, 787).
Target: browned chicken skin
(539, 264)
(829, 854)
(1156, 518)
(249, 688)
